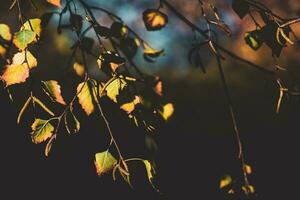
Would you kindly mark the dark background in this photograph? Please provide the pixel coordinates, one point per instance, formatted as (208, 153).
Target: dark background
(196, 147)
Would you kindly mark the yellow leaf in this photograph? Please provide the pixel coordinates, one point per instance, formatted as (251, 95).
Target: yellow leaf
(250, 189)
(149, 170)
(154, 19)
(129, 107)
(2, 51)
(248, 169)
(23, 58)
(149, 51)
(79, 69)
(14, 74)
(23, 38)
(168, 111)
(113, 88)
(225, 181)
(33, 25)
(56, 3)
(104, 162)
(53, 89)
(85, 98)
(41, 130)
(5, 32)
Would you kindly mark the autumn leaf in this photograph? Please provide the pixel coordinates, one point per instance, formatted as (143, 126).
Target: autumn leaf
(104, 162)
(79, 69)
(129, 107)
(33, 25)
(149, 170)
(2, 51)
(151, 53)
(85, 98)
(14, 74)
(41, 130)
(5, 32)
(225, 181)
(53, 90)
(248, 169)
(253, 39)
(154, 19)
(24, 57)
(113, 88)
(250, 189)
(23, 38)
(56, 3)
(167, 111)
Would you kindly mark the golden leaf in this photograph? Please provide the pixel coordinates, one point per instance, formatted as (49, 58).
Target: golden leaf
(168, 111)
(250, 189)
(129, 107)
(5, 32)
(113, 88)
(14, 74)
(149, 170)
(79, 69)
(225, 181)
(53, 89)
(149, 51)
(33, 25)
(56, 3)
(104, 162)
(154, 19)
(248, 169)
(41, 130)
(85, 98)
(23, 58)
(2, 51)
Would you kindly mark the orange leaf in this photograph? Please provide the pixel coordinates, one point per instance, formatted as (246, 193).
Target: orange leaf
(15, 74)
(56, 3)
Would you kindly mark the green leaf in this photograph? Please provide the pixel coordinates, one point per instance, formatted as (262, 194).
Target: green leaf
(41, 130)
(52, 89)
(113, 88)
(253, 39)
(5, 32)
(104, 162)
(85, 98)
(33, 25)
(23, 38)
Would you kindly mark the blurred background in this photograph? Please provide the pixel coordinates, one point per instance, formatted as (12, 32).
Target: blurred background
(197, 146)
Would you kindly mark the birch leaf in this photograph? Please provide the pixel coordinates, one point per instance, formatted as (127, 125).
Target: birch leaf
(56, 3)
(14, 74)
(41, 130)
(53, 90)
(23, 38)
(104, 162)
(23, 57)
(33, 25)
(149, 170)
(113, 88)
(225, 181)
(5, 32)
(85, 98)
(154, 19)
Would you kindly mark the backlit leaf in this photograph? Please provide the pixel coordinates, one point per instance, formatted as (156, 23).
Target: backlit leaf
(5, 32)
(154, 19)
(24, 57)
(23, 38)
(129, 107)
(56, 3)
(33, 25)
(225, 181)
(113, 88)
(85, 98)
(167, 111)
(248, 169)
(41, 130)
(149, 170)
(250, 189)
(253, 39)
(79, 69)
(53, 89)
(14, 74)
(104, 162)
(2, 51)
